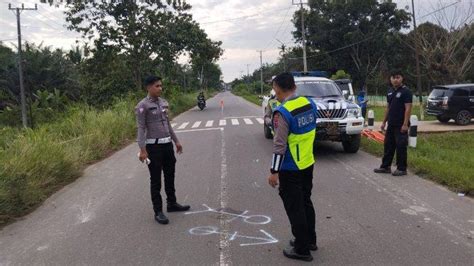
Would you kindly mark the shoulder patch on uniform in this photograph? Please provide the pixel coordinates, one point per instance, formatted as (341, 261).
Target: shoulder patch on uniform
(276, 118)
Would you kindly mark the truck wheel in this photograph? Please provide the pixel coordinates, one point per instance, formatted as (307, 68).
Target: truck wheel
(267, 131)
(443, 119)
(352, 144)
(463, 118)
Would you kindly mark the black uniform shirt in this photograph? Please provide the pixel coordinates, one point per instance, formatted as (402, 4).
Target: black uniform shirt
(396, 99)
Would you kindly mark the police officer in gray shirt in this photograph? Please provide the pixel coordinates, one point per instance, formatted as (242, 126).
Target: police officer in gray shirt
(155, 137)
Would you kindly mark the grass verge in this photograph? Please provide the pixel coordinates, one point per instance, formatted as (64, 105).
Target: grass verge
(445, 158)
(248, 96)
(34, 163)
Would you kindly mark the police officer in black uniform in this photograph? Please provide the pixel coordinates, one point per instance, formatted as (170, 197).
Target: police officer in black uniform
(155, 139)
(397, 115)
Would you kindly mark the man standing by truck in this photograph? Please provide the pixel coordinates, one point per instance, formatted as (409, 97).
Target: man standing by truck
(397, 115)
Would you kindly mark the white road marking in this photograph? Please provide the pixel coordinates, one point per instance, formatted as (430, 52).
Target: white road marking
(235, 122)
(260, 120)
(196, 124)
(224, 242)
(183, 125)
(173, 125)
(198, 129)
(222, 123)
(248, 121)
(209, 123)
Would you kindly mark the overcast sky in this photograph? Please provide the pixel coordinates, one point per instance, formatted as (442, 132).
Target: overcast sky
(244, 27)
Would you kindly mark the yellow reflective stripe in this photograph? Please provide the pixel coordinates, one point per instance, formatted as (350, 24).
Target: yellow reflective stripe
(296, 103)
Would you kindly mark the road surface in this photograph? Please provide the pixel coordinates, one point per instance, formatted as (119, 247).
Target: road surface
(105, 217)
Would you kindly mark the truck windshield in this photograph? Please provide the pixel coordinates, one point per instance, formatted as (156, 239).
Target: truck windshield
(318, 89)
(440, 92)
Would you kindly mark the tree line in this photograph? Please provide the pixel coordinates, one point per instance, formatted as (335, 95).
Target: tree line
(122, 42)
(369, 38)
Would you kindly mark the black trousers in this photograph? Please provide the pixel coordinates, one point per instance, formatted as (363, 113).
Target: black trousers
(395, 141)
(295, 191)
(162, 159)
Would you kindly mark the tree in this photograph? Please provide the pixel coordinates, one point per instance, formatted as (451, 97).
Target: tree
(354, 33)
(150, 34)
(446, 46)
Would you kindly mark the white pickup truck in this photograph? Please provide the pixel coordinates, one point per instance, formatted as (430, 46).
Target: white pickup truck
(338, 119)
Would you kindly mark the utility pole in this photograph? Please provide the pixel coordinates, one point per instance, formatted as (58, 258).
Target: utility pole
(248, 76)
(18, 10)
(261, 73)
(303, 34)
(283, 47)
(417, 56)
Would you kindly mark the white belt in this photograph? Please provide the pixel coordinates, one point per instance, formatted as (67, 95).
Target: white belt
(159, 141)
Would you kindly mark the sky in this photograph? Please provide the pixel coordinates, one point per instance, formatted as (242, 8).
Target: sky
(244, 26)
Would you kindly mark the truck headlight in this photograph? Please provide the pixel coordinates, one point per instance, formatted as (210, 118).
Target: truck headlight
(353, 112)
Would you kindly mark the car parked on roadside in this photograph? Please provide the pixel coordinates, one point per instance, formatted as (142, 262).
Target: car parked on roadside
(448, 102)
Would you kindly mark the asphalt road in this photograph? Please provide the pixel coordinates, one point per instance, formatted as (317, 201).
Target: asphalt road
(105, 217)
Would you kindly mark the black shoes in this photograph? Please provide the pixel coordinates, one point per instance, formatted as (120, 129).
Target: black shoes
(312, 247)
(382, 170)
(161, 218)
(399, 173)
(291, 254)
(176, 207)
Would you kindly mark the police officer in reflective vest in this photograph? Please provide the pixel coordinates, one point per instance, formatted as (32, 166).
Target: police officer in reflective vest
(155, 136)
(294, 122)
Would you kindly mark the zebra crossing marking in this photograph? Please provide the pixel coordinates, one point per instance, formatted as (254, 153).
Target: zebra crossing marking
(183, 125)
(209, 123)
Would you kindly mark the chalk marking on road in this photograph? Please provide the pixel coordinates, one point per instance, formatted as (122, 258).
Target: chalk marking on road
(183, 125)
(41, 248)
(250, 219)
(224, 243)
(209, 230)
(85, 212)
(248, 121)
(196, 124)
(209, 123)
(199, 129)
(260, 120)
(235, 122)
(222, 122)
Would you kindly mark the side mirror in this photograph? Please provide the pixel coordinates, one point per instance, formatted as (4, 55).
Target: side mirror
(345, 93)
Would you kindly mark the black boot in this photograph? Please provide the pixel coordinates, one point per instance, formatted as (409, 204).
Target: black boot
(312, 247)
(383, 170)
(176, 207)
(161, 218)
(291, 254)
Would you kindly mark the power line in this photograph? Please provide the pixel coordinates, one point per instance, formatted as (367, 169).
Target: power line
(279, 28)
(241, 17)
(440, 9)
(338, 49)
